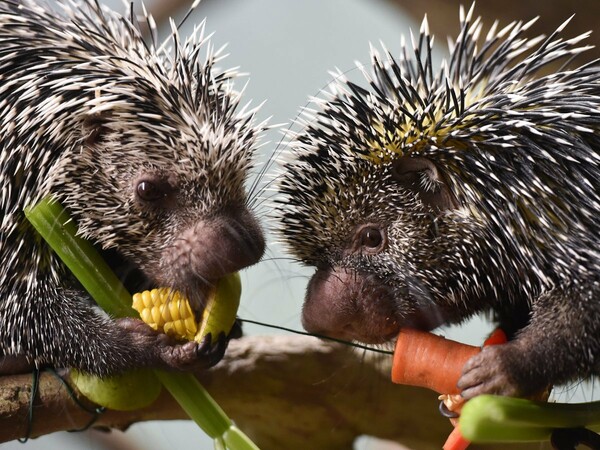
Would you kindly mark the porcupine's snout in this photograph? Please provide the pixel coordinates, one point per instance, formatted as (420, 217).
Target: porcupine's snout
(353, 305)
(210, 249)
(346, 304)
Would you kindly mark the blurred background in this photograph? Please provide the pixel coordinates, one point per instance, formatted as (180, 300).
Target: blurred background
(287, 47)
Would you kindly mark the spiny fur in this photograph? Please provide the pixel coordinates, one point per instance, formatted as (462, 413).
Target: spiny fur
(64, 76)
(520, 151)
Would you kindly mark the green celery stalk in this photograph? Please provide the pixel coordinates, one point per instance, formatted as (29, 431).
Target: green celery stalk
(196, 402)
(490, 418)
(53, 223)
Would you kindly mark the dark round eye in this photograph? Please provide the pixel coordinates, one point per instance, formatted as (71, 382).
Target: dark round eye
(371, 237)
(150, 191)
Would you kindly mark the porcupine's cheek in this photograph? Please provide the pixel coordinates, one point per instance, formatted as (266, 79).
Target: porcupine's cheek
(348, 305)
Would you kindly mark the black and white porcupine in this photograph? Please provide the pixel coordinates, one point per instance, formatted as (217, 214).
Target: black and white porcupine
(149, 150)
(423, 198)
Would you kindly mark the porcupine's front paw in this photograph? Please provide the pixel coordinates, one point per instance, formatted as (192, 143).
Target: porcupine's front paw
(165, 352)
(501, 370)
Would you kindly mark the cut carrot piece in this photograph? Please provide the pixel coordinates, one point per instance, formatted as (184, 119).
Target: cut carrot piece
(497, 337)
(426, 360)
(456, 441)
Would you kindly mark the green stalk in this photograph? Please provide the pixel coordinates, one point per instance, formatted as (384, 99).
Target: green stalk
(54, 225)
(489, 418)
(196, 402)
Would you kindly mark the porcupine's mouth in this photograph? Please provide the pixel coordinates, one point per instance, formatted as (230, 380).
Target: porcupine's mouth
(135, 280)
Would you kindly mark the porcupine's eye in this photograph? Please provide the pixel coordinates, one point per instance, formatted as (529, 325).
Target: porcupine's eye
(148, 191)
(369, 238)
(152, 191)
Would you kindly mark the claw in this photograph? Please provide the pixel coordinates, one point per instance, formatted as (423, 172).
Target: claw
(169, 353)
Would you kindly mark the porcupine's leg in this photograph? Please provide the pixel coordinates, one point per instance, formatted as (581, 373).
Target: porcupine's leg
(85, 338)
(560, 343)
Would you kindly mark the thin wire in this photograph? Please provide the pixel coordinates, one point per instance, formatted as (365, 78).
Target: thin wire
(35, 385)
(95, 412)
(34, 390)
(341, 341)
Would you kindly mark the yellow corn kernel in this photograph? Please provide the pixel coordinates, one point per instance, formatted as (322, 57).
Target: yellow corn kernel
(168, 311)
(146, 316)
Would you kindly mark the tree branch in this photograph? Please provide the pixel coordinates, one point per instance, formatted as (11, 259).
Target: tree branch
(283, 391)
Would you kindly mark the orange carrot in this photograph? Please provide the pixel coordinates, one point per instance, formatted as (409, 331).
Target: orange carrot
(426, 360)
(455, 441)
(496, 338)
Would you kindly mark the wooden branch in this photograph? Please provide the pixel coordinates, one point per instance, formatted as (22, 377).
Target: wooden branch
(283, 391)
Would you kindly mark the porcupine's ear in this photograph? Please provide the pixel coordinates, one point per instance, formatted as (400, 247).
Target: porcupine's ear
(424, 178)
(94, 128)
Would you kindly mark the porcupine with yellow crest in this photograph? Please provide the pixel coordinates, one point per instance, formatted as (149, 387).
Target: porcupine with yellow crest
(424, 198)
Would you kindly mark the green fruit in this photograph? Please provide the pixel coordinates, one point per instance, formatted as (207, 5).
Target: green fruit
(221, 308)
(126, 392)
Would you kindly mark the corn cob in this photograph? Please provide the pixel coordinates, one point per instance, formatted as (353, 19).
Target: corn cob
(168, 311)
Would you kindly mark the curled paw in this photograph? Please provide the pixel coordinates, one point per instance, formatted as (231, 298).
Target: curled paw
(492, 371)
(158, 350)
(192, 356)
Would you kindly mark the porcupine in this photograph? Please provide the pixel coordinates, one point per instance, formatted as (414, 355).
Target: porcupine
(149, 150)
(423, 199)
